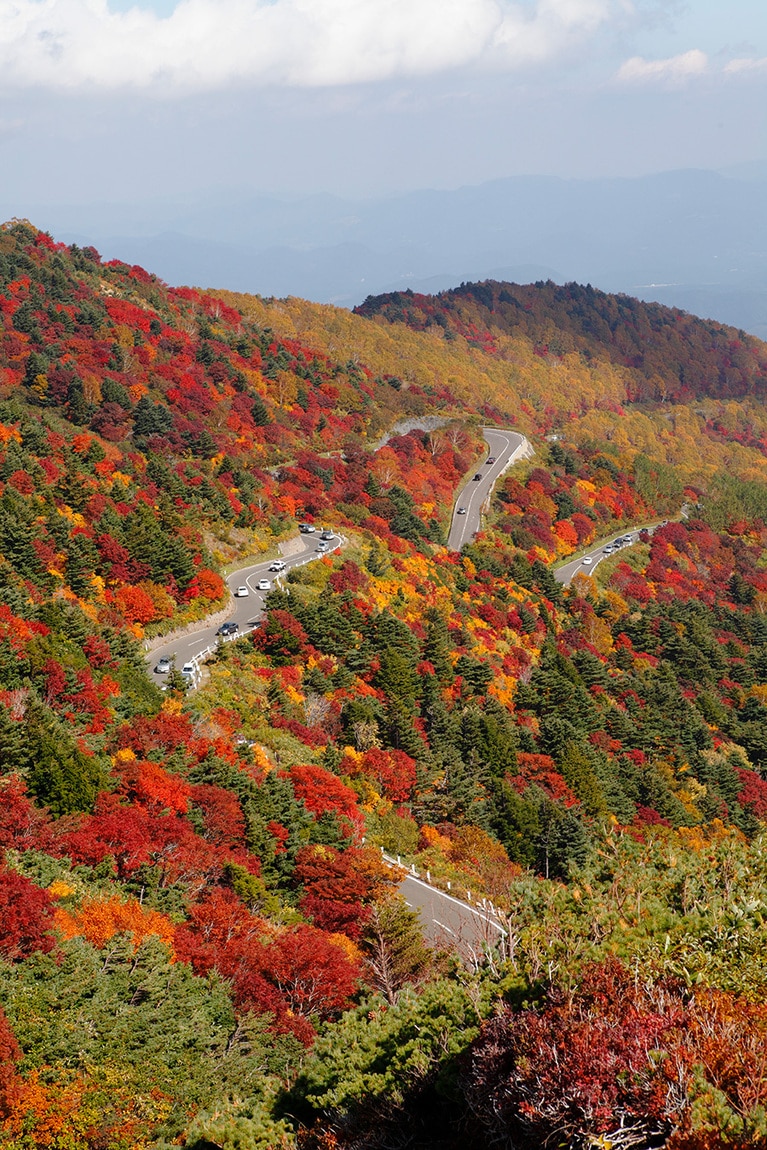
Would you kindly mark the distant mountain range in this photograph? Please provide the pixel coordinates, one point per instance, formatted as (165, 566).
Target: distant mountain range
(692, 239)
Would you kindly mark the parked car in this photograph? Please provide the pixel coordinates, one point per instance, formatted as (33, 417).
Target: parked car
(461, 511)
(264, 585)
(230, 628)
(241, 592)
(162, 667)
(278, 565)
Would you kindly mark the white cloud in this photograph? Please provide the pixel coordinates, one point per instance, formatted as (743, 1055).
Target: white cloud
(673, 70)
(746, 65)
(212, 43)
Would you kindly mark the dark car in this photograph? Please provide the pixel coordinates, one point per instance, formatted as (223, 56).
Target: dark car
(228, 629)
(477, 477)
(461, 511)
(490, 459)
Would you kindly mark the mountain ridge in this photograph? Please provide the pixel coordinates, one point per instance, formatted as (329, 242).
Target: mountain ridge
(656, 229)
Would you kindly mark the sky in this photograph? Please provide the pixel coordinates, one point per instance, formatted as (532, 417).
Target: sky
(107, 100)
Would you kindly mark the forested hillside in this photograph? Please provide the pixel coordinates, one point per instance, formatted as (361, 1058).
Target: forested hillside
(200, 944)
(670, 354)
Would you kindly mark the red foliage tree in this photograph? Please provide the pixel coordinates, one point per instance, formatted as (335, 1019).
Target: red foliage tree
(392, 771)
(282, 638)
(585, 1067)
(153, 787)
(22, 825)
(321, 792)
(753, 793)
(164, 732)
(209, 584)
(295, 976)
(222, 814)
(337, 884)
(25, 917)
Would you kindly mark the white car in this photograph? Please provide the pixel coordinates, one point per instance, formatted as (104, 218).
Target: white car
(241, 593)
(278, 565)
(189, 670)
(586, 560)
(323, 546)
(264, 585)
(461, 511)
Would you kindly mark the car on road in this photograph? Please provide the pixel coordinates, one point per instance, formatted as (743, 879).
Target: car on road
(264, 585)
(189, 670)
(278, 565)
(162, 666)
(242, 592)
(230, 628)
(323, 545)
(586, 560)
(461, 511)
(326, 535)
(307, 528)
(490, 459)
(608, 550)
(477, 478)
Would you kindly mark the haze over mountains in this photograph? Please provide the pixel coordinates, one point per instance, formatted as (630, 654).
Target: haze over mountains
(693, 239)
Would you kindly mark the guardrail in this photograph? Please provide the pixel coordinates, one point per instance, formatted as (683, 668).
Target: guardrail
(477, 904)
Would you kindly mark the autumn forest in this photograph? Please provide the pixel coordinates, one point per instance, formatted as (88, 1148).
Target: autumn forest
(203, 940)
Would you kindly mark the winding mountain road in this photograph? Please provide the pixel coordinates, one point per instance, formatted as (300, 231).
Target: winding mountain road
(505, 448)
(246, 611)
(448, 921)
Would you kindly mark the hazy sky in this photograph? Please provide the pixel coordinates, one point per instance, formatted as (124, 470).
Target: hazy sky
(130, 102)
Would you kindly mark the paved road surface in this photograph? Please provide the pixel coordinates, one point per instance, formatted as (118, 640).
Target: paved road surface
(506, 447)
(451, 923)
(245, 611)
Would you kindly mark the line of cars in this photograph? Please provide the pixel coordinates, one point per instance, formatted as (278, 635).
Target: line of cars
(243, 592)
(230, 628)
(476, 479)
(163, 666)
(326, 536)
(621, 541)
(611, 548)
